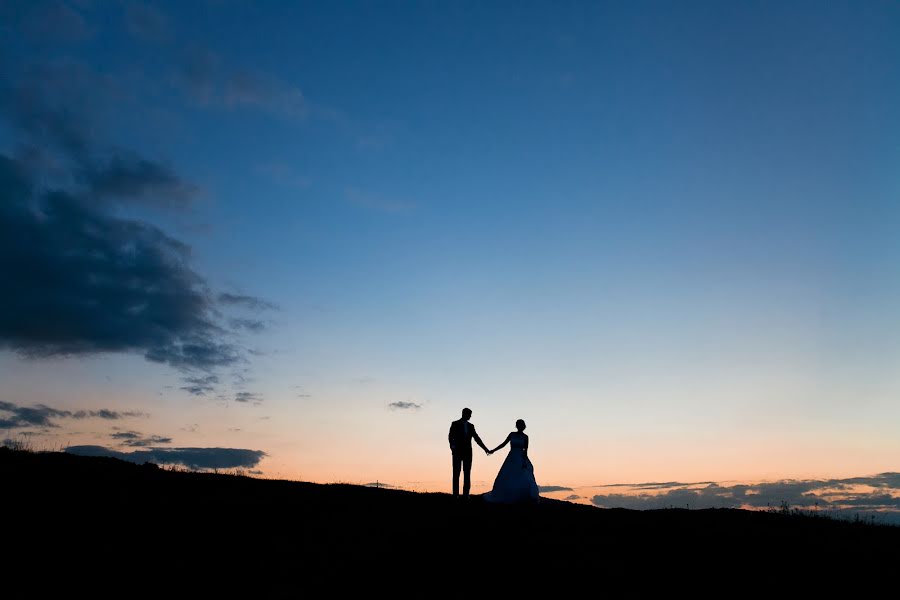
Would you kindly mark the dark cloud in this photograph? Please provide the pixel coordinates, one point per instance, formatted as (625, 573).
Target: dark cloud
(657, 485)
(137, 439)
(29, 416)
(247, 397)
(681, 498)
(85, 282)
(146, 22)
(41, 415)
(378, 484)
(888, 480)
(194, 458)
(105, 413)
(200, 385)
(240, 379)
(572, 497)
(127, 177)
(243, 301)
(82, 279)
(404, 406)
(251, 325)
(837, 494)
(554, 488)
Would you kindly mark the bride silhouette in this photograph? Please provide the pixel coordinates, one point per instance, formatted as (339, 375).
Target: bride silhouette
(515, 482)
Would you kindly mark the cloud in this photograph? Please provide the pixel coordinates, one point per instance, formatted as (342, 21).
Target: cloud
(404, 406)
(681, 498)
(200, 385)
(251, 325)
(244, 301)
(554, 488)
(572, 497)
(194, 458)
(105, 413)
(83, 279)
(131, 178)
(874, 493)
(41, 415)
(378, 203)
(378, 484)
(247, 397)
(137, 439)
(656, 485)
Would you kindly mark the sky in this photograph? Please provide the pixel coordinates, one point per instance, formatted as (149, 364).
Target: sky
(298, 238)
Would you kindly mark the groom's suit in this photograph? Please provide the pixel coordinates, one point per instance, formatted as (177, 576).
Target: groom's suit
(460, 437)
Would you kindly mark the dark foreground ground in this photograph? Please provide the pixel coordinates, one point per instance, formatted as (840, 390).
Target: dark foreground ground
(77, 526)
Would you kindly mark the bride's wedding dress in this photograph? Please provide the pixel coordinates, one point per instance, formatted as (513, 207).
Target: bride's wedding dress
(515, 482)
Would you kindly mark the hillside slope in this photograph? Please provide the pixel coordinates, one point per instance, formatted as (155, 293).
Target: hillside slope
(109, 527)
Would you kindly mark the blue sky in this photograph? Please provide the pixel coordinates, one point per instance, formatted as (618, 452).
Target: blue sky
(665, 234)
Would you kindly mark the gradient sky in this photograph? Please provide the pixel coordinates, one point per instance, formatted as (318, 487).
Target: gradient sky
(664, 234)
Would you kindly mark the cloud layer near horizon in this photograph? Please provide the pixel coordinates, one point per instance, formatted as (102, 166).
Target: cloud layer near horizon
(194, 458)
(869, 494)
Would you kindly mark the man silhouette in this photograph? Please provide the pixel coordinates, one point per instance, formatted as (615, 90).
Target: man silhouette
(461, 434)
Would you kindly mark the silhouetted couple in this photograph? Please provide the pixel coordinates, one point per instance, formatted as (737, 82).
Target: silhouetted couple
(515, 481)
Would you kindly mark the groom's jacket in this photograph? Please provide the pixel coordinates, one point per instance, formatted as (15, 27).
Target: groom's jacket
(461, 434)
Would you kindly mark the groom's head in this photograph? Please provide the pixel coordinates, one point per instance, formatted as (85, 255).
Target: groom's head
(467, 413)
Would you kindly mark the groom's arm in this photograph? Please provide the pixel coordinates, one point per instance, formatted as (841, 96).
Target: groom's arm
(478, 440)
(450, 438)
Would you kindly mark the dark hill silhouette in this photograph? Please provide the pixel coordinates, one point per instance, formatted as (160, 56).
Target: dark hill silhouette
(107, 527)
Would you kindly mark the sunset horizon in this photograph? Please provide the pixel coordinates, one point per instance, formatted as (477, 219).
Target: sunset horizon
(295, 241)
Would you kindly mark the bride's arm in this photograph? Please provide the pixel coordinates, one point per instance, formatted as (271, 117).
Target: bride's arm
(525, 453)
(505, 442)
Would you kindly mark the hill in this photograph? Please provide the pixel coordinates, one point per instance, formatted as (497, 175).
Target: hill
(107, 527)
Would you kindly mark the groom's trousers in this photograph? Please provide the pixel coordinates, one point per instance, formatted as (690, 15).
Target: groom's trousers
(462, 458)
